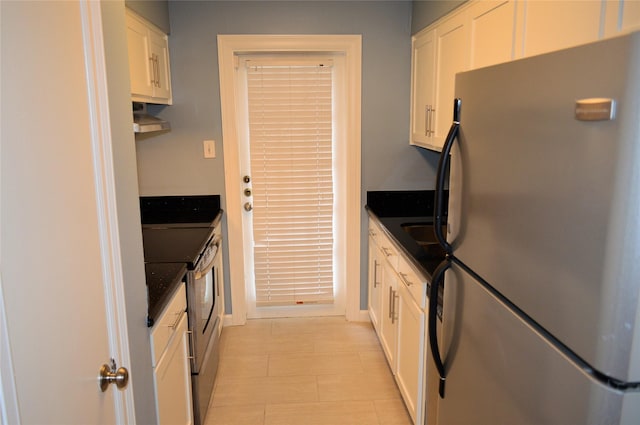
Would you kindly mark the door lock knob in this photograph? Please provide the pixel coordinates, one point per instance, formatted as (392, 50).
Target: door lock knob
(248, 206)
(247, 192)
(246, 179)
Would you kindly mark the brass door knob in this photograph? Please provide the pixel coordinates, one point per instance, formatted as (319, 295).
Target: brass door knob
(109, 375)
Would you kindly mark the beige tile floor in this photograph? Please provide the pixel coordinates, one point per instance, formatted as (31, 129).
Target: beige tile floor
(304, 371)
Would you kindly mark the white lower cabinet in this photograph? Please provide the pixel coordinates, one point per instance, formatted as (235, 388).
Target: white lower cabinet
(397, 301)
(375, 284)
(171, 365)
(411, 354)
(388, 325)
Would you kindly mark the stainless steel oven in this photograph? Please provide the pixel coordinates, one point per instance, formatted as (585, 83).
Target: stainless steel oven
(203, 293)
(186, 229)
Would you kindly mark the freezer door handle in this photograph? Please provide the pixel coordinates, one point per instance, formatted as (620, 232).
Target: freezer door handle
(441, 174)
(438, 277)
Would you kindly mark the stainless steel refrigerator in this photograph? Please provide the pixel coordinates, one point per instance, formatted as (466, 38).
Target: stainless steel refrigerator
(540, 322)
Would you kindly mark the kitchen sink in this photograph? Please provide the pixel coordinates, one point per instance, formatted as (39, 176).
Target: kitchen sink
(423, 235)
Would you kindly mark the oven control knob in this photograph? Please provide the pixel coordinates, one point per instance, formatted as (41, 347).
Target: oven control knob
(248, 206)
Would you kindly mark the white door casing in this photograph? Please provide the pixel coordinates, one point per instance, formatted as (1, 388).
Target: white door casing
(229, 46)
(62, 302)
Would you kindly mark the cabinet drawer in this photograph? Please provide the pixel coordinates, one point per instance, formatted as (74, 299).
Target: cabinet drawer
(167, 324)
(415, 284)
(375, 232)
(389, 251)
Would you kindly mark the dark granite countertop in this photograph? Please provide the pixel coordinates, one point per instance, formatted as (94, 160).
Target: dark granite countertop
(162, 281)
(421, 259)
(393, 209)
(175, 231)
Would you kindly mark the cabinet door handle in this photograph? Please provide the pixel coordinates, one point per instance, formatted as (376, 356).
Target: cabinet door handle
(386, 252)
(393, 305)
(158, 71)
(375, 273)
(430, 130)
(431, 121)
(153, 69)
(427, 113)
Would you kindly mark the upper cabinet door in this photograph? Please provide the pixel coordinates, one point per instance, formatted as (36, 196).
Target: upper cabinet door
(148, 61)
(160, 55)
(621, 16)
(423, 75)
(452, 45)
(140, 62)
(555, 25)
(491, 27)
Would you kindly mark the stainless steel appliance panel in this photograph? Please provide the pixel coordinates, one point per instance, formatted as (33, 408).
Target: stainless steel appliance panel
(500, 370)
(203, 303)
(546, 207)
(204, 380)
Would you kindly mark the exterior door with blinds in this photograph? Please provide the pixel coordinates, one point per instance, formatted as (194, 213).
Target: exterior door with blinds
(289, 210)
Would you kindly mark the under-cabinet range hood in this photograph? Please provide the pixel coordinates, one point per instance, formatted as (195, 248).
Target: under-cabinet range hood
(145, 123)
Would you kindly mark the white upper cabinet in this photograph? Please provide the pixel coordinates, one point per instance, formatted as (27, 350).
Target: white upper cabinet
(453, 47)
(546, 26)
(149, 71)
(487, 32)
(491, 28)
(423, 84)
(437, 55)
(621, 16)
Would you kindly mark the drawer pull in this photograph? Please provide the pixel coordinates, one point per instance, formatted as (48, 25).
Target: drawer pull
(174, 325)
(386, 252)
(404, 277)
(375, 274)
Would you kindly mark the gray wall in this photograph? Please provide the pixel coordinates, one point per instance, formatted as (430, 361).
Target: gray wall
(173, 164)
(425, 12)
(155, 11)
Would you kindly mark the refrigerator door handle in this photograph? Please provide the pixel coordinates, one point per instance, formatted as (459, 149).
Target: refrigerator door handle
(440, 176)
(438, 277)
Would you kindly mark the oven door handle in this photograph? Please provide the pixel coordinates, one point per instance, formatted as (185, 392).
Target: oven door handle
(200, 273)
(211, 264)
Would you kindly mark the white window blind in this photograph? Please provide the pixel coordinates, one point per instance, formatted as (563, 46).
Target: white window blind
(290, 136)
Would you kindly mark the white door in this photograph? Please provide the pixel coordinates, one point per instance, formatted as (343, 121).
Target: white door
(288, 156)
(348, 47)
(56, 313)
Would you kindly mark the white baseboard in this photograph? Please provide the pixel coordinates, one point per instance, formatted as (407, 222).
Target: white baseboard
(363, 316)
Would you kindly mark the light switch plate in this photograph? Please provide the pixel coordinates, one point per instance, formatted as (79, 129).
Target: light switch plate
(209, 148)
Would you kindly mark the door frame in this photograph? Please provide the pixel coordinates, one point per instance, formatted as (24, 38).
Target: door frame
(105, 189)
(229, 46)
